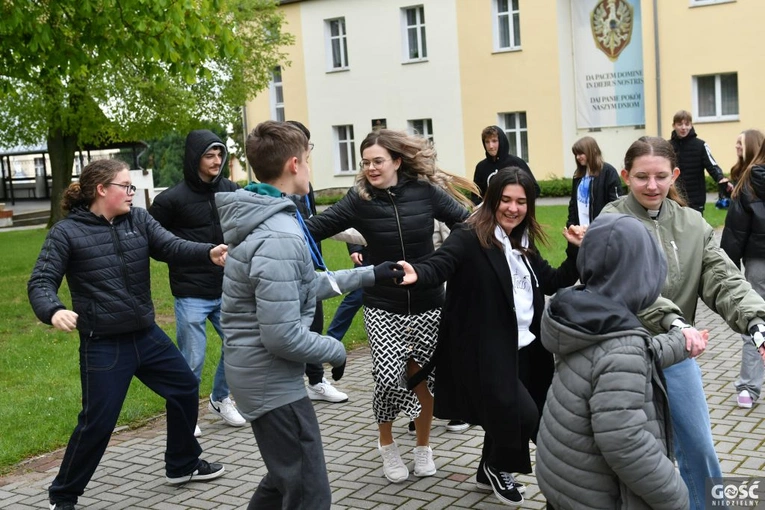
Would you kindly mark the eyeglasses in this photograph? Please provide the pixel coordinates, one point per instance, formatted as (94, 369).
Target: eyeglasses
(377, 163)
(129, 188)
(310, 147)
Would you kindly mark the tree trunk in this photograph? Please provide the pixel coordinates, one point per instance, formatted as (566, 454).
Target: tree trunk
(61, 148)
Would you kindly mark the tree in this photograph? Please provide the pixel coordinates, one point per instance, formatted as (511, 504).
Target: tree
(96, 71)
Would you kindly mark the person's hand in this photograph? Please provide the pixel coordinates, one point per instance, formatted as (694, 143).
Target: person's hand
(410, 275)
(218, 254)
(574, 234)
(337, 372)
(357, 258)
(64, 320)
(762, 353)
(389, 271)
(695, 340)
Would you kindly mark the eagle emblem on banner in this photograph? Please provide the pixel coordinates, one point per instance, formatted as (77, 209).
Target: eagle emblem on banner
(611, 23)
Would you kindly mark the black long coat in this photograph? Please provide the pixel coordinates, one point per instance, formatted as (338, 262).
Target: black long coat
(477, 354)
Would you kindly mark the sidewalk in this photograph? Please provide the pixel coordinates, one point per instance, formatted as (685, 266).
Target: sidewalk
(131, 474)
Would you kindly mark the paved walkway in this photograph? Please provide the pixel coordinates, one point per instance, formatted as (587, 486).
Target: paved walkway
(131, 474)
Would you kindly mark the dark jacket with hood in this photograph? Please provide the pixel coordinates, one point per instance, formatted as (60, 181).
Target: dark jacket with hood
(487, 168)
(604, 188)
(397, 224)
(605, 437)
(188, 211)
(693, 156)
(107, 269)
(744, 233)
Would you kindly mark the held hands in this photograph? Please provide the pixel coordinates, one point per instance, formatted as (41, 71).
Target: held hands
(695, 340)
(218, 255)
(357, 258)
(64, 320)
(574, 234)
(757, 332)
(389, 271)
(409, 272)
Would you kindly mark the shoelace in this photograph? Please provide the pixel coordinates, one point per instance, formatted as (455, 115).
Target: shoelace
(421, 456)
(507, 479)
(390, 455)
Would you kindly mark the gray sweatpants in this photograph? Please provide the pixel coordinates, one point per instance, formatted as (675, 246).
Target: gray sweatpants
(752, 371)
(290, 443)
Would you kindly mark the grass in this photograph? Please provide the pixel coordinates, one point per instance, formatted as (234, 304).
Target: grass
(39, 366)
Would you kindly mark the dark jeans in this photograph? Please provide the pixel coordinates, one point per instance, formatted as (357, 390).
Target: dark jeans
(290, 443)
(345, 313)
(107, 365)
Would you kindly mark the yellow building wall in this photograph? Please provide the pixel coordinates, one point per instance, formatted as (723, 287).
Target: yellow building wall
(516, 81)
(293, 78)
(708, 39)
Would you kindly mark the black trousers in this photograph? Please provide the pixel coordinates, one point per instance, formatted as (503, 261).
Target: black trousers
(290, 443)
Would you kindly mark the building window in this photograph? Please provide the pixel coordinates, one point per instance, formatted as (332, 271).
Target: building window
(413, 23)
(716, 96)
(337, 50)
(422, 127)
(507, 25)
(696, 3)
(277, 95)
(345, 149)
(514, 125)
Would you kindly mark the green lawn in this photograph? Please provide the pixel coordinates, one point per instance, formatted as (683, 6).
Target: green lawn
(39, 365)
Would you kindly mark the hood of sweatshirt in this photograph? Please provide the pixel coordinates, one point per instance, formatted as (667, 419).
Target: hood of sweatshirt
(504, 146)
(198, 142)
(242, 211)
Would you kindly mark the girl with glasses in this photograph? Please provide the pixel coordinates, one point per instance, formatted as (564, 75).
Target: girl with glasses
(397, 195)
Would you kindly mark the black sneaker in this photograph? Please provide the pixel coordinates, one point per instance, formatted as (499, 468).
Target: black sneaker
(483, 485)
(204, 471)
(412, 429)
(503, 485)
(62, 505)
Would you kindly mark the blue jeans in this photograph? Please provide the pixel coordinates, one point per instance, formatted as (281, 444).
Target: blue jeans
(694, 446)
(107, 365)
(191, 316)
(344, 314)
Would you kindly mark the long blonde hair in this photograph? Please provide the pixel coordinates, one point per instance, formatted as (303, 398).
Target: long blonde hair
(418, 161)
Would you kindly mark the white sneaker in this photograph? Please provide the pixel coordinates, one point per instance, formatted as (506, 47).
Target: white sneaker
(226, 410)
(423, 461)
(197, 431)
(325, 391)
(744, 400)
(393, 467)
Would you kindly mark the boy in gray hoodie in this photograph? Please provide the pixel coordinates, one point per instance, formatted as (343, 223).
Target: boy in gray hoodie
(605, 440)
(270, 291)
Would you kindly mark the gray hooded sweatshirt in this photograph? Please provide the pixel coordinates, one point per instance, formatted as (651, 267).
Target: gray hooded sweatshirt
(605, 433)
(270, 290)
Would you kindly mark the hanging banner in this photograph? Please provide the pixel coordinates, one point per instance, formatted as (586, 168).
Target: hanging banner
(608, 63)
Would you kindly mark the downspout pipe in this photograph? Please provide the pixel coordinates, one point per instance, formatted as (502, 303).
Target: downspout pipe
(657, 59)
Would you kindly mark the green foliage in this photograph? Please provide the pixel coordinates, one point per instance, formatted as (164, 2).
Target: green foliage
(555, 187)
(90, 71)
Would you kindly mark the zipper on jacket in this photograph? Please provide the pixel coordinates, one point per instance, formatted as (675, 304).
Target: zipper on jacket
(123, 266)
(403, 248)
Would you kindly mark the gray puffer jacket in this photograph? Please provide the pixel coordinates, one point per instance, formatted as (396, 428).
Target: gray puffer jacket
(270, 291)
(605, 437)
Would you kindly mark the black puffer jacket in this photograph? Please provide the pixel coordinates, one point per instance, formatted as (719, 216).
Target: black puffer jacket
(604, 188)
(188, 211)
(107, 269)
(744, 233)
(398, 225)
(693, 156)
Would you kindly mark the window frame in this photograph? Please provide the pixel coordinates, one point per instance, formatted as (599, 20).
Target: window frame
(719, 116)
(350, 149)
(516, 132)
(512, 28)
(274, 87)
(342, 37)
(703, 3)
(426, 132)
(420, 30)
